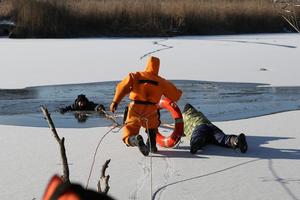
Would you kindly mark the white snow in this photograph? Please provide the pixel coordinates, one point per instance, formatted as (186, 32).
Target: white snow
(269, 170)
(219, 58)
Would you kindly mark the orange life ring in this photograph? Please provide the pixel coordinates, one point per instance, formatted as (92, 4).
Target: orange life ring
(174, 138)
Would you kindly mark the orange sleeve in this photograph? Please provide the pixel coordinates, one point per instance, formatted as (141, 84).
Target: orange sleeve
(52, 186)
(123, 88)
(170, 91)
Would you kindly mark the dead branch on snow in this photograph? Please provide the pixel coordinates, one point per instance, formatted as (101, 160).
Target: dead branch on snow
(103, 182)
(61, 141)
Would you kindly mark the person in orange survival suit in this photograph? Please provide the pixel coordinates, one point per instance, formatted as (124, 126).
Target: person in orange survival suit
(59, 190)
(145, 90)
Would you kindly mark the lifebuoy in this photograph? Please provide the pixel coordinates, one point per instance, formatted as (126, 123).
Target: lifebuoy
(174, 138)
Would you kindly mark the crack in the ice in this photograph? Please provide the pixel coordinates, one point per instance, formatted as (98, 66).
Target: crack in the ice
(164, 47)
(169, 172)
(201, 176)
(141, 180)
(281, 181)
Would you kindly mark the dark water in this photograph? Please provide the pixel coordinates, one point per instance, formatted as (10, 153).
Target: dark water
(219, 101)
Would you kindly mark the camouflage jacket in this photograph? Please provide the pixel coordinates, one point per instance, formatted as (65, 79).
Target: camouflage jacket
(193, 118)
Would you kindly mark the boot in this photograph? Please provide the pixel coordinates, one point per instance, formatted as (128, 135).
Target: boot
(151, 141)
(138, 141)
(239, 142)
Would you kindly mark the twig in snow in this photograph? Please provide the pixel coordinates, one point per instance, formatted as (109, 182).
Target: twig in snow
(103, 182)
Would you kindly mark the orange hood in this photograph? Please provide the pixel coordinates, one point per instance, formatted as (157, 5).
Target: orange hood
(153, 65)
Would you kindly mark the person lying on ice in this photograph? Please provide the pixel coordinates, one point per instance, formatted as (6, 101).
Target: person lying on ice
(82, 103)
(145, 90)
(201, 131)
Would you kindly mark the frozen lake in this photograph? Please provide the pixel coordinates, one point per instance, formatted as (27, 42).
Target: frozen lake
(230, 74)
(220, 101)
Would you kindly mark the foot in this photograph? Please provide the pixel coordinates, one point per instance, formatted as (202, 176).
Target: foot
(153, 148)
(197, 145)
(141, 145)
(242, 143)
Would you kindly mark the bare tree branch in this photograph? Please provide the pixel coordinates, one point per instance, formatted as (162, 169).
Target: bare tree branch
(61, 141)
(104, 179)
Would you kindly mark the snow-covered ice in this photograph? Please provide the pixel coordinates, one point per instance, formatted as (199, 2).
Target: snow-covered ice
(269, 170)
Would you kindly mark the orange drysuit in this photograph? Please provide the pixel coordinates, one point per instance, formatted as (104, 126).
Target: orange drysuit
(145, 90)
(58, 190)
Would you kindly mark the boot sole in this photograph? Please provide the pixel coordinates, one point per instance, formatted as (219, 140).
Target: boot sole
(142, 147)
(242, 144)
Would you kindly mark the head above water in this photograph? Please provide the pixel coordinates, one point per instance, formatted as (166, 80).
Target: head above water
(81, 101)
(153, 65)
(81, 104)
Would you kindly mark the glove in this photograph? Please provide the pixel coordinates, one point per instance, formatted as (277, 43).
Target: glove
(113, 106)
(62, 110)
(100, 108)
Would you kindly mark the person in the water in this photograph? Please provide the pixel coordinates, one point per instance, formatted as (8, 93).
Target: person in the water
(82, 103)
